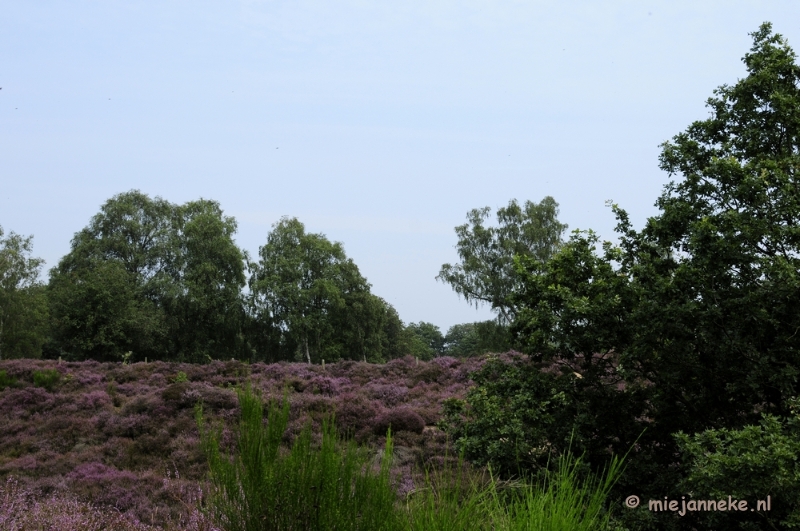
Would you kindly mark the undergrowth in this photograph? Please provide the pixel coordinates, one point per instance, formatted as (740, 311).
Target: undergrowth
(335, 486)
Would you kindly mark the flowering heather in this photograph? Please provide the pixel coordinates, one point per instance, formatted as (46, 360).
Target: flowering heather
(390, 394)
(117, 445)
(20, 510)
(401, 419)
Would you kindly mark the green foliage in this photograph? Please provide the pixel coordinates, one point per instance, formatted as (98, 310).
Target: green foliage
(394, 337)
(206, 306)
(6, 380)
(333, 486)
(516, 416)
(747, 464)
(451, 500)
(307, 489)
(306, 290)
(425, 340)
(690, 325)
(46, 378)
(160, 280)
(486, 273)
(565, 500)
(473, 339)
(23, 306)
(180, 377)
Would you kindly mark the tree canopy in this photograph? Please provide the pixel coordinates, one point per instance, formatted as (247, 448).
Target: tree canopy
(23, 308)
(486, 273)
(688, 326)
(321, 305)
(152, 278)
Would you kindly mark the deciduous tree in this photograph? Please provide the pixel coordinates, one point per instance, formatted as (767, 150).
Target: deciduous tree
(23, 309)
(690, 324)
(486, 273)
(159, 280)
(307, 287)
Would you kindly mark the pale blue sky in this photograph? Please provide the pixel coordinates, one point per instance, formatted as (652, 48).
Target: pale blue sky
(391, 119)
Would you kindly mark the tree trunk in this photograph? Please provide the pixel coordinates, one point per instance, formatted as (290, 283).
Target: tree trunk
(305, 345)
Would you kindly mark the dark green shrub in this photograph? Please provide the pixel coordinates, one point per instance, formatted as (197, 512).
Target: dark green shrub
(46, 378)
(747, 464)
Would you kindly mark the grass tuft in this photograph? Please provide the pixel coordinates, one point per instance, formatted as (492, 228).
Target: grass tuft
(259, 488)
(46, 378)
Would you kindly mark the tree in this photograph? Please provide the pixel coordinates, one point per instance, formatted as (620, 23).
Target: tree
(152, 278)
(395, 339)
(486, 273)
(306, 286)
(472, 339)
(566, 392)
(106, 295)
(100, 312)
(690, 325)
(208, 310)
(425, 340)
(23, 309)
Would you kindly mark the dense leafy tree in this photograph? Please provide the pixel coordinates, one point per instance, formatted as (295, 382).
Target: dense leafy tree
(486, 273)
(472, 339)
(568, 391)
(395, 338)
(425, 340)
(23, 308)
(151, 278)
(100, 311)
(106, 294)
(690, 325)
(207, 312)
(305, 285)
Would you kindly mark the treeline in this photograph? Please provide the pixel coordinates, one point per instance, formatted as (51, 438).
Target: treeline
(149, 279)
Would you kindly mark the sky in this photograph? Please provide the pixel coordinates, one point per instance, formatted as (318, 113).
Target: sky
(379, 124)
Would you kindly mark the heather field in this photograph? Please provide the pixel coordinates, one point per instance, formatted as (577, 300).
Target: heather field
(91, 445)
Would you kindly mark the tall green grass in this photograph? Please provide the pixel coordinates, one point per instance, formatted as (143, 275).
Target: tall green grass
(334, 487)
(562, 501)
(309, 489)
(451, 499)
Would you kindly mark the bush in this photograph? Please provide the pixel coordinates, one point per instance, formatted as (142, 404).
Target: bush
(46, 378)
(747, 464)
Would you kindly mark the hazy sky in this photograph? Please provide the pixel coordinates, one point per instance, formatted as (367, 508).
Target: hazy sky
(379, 124)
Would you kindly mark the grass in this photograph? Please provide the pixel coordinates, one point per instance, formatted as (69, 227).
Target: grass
(562, 501)
(326, 488)
(335, 487)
